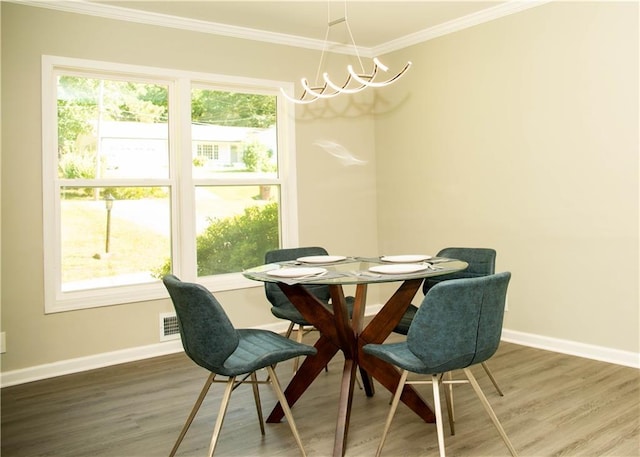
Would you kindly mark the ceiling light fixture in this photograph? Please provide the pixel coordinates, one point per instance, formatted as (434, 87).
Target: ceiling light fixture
(354, 83)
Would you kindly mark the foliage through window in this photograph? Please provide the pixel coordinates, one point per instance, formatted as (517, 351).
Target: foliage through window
(136, 191)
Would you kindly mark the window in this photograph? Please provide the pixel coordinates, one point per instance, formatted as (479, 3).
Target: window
(148, 171)
(205, 151)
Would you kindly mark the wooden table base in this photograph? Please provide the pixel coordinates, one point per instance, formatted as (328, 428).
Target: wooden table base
(340, 332)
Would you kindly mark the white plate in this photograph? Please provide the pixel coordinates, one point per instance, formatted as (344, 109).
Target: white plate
(405, 258)
(398, 268)
(296, 272)
(321, 258)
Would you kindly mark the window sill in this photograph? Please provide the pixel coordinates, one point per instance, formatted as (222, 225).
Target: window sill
(95, 298)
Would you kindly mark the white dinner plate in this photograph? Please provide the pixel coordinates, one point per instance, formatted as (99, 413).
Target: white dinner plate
(321, 258)
(405, 258)
(296, 272)
(398, 268)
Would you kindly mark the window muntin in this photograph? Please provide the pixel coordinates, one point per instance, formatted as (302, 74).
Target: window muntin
(141, 152)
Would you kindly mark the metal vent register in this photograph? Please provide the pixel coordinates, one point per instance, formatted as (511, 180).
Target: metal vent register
(169, 327)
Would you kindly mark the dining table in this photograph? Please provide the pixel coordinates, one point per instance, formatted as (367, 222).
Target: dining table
(340, 331)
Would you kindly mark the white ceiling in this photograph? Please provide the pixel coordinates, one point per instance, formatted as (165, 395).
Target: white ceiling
(373, 23)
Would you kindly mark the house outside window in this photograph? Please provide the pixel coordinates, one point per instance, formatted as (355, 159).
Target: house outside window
(133, 191)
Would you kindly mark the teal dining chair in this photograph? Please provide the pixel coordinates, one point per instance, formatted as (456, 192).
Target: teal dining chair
(458, 325)
(211, 341)
(482, 262)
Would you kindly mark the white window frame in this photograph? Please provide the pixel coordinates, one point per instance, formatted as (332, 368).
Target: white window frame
(181, 181)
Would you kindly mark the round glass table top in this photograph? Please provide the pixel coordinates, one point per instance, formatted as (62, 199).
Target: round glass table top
(352, 270)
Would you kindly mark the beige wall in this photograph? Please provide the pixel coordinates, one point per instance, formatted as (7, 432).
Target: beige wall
(521, 134)
(34, 338)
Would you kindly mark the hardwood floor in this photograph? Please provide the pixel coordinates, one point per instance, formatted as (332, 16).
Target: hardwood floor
(554, 405)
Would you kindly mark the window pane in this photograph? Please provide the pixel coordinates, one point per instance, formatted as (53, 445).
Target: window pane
(111, 129)
(234, 134)
(113, 236)
(236, 226)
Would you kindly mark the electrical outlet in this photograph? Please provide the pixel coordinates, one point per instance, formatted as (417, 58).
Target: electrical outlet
(3, 343)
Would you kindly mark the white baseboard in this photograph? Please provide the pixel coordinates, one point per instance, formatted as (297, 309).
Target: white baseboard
(588, 351)
(64, 367)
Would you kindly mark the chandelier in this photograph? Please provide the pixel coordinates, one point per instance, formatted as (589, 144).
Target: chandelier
(354, 82)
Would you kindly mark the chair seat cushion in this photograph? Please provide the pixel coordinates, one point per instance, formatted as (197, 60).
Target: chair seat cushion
(289, 312)
(259, 349)
(400, 355)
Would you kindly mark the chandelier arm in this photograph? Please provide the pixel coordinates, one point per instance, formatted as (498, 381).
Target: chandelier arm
(343, 89)
(380, 65)
(377, 65)
(313, 90)
(352, 90)
(371, 83)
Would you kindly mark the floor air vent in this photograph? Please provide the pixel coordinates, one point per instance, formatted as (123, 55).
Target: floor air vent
(169, 327)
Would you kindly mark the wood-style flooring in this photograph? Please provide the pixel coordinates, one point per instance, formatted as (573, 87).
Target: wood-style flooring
(554, 405)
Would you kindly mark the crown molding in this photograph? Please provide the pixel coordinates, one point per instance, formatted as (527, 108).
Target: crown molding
(461, 23)
(214, 28)
(194, 25)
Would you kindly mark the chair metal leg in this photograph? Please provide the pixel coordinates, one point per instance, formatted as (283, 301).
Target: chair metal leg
(288, 335)
(299, 335)
(194, 411)
(285, 408)
(221, 413)
(493, 380)
(256, 397)
(289, 330)
(489, 410)
(449, 399)
(392, 410)
(435, 380)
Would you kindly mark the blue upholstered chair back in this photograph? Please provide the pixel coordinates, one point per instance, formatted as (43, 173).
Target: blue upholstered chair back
(208, 336)
(459, 322)
(272, 290)
(482, 262)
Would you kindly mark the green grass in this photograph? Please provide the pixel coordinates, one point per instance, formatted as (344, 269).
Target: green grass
(134, 248)
(137, 243)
